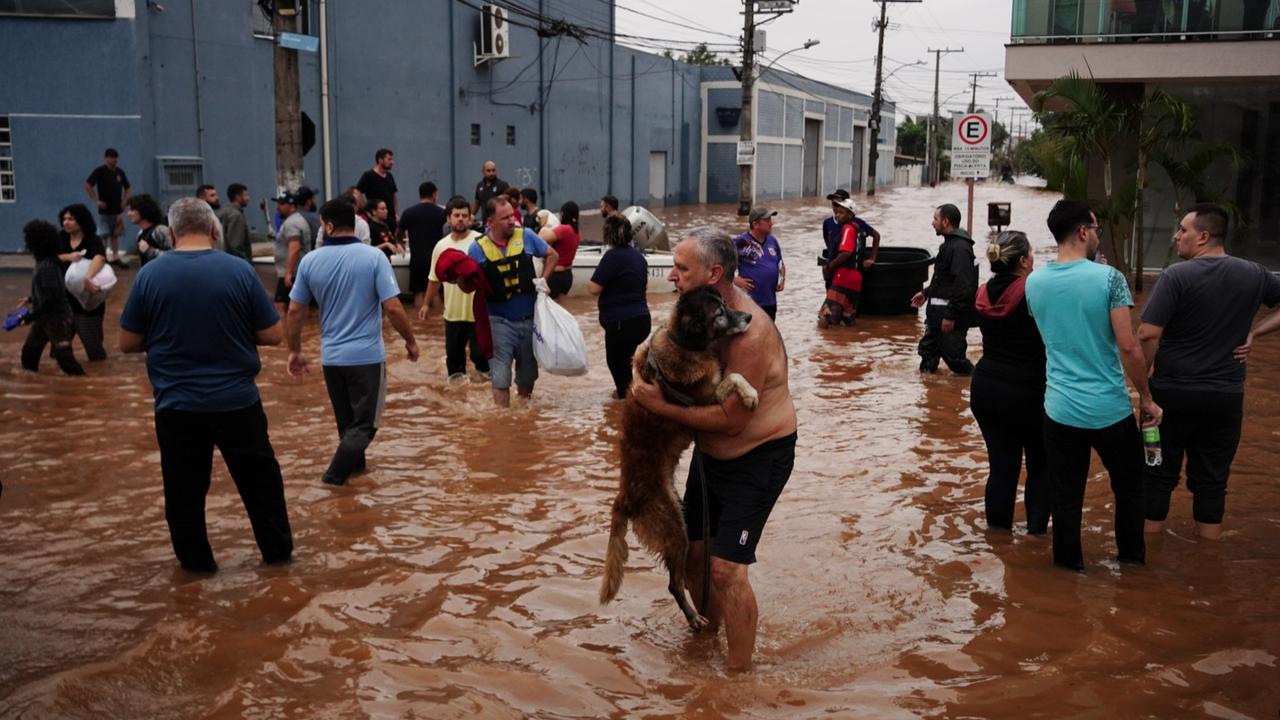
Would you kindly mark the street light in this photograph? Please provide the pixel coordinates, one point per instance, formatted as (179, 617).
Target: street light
(808, 44)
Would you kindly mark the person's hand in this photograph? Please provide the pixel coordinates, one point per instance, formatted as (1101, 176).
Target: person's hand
(1101, 259)
(143, 246)
(826, 272)
(1152, 413)
(647, 394)
(948, 326)
(24, 302)
(868, 263)
(424, 311)
(540, 284)
(102, 205)
(744, 283)
(1241, 352)
(918, 299)
(90, 285)
(297, 365)
(411, 347)
(782, 283)
(288, 280)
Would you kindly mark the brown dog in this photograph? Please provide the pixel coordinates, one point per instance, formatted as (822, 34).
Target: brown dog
(683, 358)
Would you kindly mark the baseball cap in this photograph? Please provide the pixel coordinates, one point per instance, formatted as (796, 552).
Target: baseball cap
(840, 194)
(847, 204)
(287, 197)
(304, 194)
(760, 212)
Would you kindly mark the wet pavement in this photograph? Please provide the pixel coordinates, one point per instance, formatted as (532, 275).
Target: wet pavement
(458, 577)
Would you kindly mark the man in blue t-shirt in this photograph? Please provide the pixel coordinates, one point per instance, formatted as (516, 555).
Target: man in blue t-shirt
(760, 269)
(1082, 310)
(199, 314)
(506, 256)
(353, 284)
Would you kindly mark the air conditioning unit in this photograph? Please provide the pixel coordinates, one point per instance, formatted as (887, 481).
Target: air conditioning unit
(495, 34)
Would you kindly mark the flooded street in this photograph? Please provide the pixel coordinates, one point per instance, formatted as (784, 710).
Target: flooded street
(458, 577)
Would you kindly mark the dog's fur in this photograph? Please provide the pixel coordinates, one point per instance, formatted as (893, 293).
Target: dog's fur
(688, 354)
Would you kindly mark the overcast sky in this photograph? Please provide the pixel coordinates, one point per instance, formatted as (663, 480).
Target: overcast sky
(847, 49)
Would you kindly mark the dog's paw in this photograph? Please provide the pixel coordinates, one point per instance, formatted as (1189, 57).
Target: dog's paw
(736, 383)
(749, 396)
(697, 623)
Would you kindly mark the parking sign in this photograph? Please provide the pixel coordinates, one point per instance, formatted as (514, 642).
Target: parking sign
(970, 145)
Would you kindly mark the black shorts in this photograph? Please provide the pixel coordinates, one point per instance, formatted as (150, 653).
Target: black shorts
(282, 292)
(741, 493)
(419, 275)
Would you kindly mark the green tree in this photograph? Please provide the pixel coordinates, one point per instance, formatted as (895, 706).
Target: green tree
(912, 137)
(699, 55)
(1158, 121)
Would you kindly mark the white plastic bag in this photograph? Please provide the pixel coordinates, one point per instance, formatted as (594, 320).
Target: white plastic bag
(557, 340)
(74, 279)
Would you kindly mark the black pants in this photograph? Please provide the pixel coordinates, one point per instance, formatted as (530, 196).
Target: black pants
(186, 443)
(949, 347)
(89, 328)
(621, 338)
(1205, 427)
(771, 311)
(1119, 447)
(56, 332)
(357, 393)
(1011, 416)
(458, 334)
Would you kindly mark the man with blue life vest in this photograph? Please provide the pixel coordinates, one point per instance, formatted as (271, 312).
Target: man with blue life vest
(833, 230)
(506, 255)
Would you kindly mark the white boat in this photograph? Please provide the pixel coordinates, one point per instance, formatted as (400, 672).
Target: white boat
(584, 265)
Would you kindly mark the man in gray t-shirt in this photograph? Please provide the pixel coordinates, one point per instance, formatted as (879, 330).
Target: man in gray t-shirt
(1196, 328)
(291, 243)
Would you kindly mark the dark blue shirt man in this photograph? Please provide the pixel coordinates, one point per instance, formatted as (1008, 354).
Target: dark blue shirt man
(199, 315)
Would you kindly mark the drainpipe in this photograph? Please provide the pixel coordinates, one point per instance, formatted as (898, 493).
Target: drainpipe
(632, 161)
(324, 101)
(612, 81)
(195, 68)
(453, 104)
(542, 120)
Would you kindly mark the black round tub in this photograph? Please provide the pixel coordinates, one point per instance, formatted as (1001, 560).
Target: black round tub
(888, 285)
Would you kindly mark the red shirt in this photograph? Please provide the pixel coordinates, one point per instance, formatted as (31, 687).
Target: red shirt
(566, 244)
(848, 276)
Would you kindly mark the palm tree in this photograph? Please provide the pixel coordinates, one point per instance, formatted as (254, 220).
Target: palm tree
(1159, 120)
(1188, 171)
(1089, 122)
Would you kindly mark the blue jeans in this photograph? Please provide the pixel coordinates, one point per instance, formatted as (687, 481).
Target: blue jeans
(512, 341)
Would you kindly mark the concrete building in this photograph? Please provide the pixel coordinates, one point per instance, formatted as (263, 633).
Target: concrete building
(185, 91)
(1223, 56)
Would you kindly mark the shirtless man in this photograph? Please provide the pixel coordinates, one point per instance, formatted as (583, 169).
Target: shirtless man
(746, 456)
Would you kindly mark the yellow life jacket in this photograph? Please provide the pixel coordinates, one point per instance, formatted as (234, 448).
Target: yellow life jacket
(509, 273)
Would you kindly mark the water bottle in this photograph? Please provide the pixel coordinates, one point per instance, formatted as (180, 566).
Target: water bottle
(1151, 444)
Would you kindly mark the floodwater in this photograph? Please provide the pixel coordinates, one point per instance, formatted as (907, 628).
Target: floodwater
(458, 577)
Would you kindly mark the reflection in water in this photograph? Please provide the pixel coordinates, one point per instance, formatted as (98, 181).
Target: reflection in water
(457, 577)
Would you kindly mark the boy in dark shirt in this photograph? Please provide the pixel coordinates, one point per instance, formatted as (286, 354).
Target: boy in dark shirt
(50, 312)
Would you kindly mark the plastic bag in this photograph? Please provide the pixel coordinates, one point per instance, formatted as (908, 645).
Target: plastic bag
(105, 280)
(557, 340)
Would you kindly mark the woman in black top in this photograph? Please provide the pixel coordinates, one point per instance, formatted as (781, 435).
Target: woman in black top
(79, 239)
(620, 281)
(1007, 390)
(153, 234)
(50, 312)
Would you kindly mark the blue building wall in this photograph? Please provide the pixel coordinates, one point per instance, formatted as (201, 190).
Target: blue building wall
(586, 115)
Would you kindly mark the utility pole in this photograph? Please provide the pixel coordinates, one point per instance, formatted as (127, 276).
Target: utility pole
(878, 99)
(746, 119)
(284, 65)
(996, 121)
(746, 194)
(931, 150)
(973, 80)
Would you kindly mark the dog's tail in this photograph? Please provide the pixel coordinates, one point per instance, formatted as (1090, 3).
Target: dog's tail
(616, 556)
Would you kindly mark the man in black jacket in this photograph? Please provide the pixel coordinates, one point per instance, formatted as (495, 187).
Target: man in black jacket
(949, 296)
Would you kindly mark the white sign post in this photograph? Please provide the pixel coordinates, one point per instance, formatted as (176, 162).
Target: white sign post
(971, 151)
(746, 152)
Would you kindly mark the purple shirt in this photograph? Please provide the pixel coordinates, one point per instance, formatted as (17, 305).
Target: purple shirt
(762, 271)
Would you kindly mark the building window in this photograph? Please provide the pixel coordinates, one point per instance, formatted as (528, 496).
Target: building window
(8, 189)
(475, 133)
(511, 134)
(59, 8)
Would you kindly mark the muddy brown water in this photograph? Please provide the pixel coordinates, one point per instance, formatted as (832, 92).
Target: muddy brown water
(458, 577)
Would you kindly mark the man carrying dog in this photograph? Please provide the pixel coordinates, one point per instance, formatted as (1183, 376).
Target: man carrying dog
(745, 456)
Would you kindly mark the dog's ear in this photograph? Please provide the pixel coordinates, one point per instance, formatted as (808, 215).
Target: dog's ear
(691, 325)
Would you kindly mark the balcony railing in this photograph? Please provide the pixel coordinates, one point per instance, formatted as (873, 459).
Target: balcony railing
(1058, 21)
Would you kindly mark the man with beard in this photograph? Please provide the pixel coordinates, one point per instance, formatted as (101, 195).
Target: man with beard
(1082, 310)
(950, 296)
